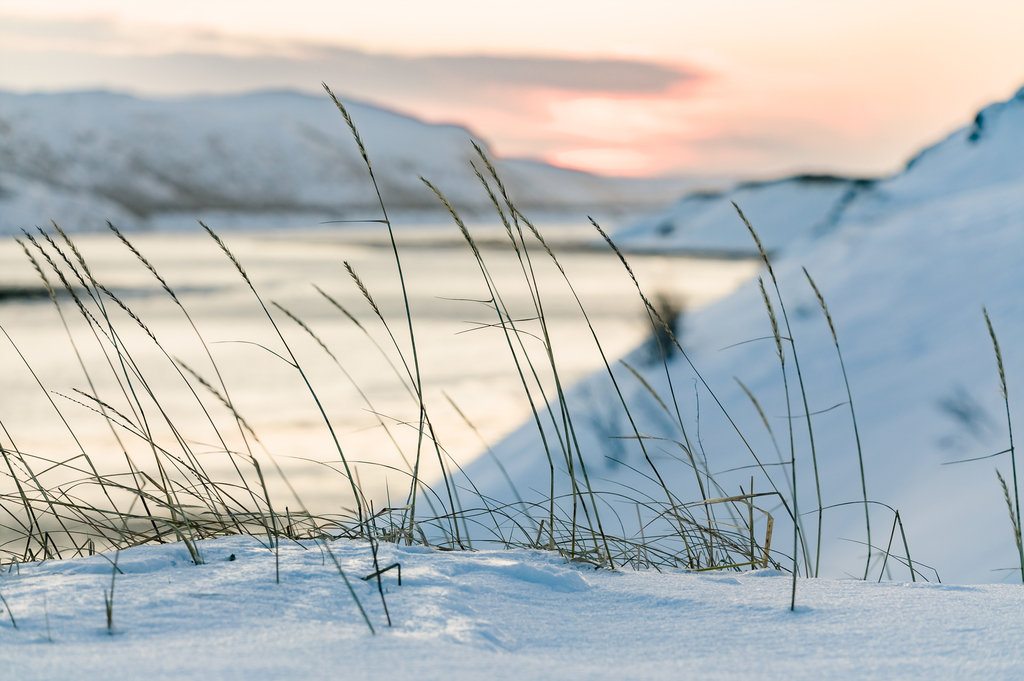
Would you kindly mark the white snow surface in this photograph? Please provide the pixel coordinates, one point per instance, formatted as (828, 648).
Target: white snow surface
(84, 157)
(784, 210)
(905, 275)
(487, 614)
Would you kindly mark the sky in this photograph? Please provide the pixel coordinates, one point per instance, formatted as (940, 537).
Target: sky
(749, 88)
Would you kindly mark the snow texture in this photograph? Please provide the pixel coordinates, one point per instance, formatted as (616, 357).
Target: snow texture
(487, 614)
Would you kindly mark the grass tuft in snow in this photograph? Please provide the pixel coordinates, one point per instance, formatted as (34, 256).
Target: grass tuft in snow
(800, 382)
(108, 595)
(685, 518)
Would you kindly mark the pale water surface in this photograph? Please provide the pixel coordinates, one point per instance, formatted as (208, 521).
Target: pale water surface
(460, 356)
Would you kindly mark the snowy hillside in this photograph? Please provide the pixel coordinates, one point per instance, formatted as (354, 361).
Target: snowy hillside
(702, 222)
(905, 274)
(986, 152)
(81, 158)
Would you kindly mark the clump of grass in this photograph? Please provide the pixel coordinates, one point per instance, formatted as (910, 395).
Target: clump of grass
(694, 524)
(800, 381)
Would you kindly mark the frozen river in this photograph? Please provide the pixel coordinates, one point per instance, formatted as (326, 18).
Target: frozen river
(463, 359)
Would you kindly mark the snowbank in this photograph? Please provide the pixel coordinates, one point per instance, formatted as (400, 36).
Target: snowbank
(495, 615)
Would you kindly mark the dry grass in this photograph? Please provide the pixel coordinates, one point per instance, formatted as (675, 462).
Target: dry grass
(164, 492)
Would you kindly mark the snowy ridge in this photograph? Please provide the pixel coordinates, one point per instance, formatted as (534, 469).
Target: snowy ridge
(81, 158)
(987, 152)
(905, 283)
(704, 222)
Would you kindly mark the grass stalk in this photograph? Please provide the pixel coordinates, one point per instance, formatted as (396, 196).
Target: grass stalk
(792, 443)
(1015, 507)
(417, 383)
(800, 380)
(108, 596)
(298, 367)
(7, 607)
(1011, 508)
(853, 416)
(510, 331)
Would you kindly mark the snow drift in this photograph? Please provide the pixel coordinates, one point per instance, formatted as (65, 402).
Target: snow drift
(484, 614)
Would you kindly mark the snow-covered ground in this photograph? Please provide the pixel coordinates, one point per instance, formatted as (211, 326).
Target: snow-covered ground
(905, 273)
(272, 158)
(488, 614)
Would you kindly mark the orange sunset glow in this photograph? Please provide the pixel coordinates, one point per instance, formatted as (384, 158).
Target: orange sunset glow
(743, 87)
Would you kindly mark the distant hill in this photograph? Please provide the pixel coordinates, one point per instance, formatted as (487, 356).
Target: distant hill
(784, 210)
(84, 157)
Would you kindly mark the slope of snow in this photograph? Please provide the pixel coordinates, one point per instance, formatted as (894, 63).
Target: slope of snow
(25, 202)
(905, 283)
(97, 153)
(989, 151)
(495, 615)
(783, 211)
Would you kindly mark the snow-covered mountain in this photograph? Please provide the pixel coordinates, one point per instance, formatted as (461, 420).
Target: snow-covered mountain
(905, 270)
(986, 152)
(703, 221)
(82, 158)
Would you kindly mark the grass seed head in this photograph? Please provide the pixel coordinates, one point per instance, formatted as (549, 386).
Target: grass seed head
(773, 319)
(999, 355)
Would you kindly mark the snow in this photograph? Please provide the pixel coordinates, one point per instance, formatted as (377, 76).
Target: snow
(84, 157)
(704, 222)
(485, 614)
(905, 273)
